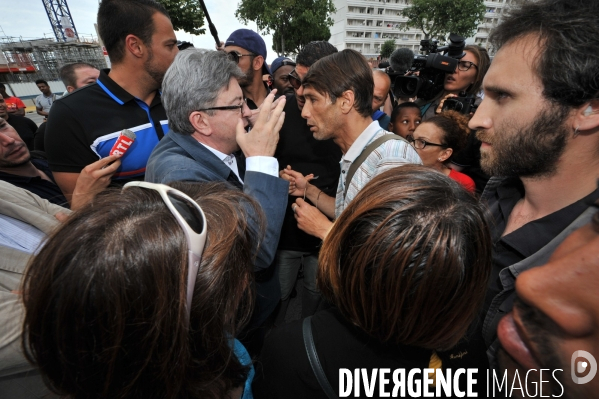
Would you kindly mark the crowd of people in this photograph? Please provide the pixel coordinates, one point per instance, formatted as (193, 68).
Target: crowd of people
(424, 238)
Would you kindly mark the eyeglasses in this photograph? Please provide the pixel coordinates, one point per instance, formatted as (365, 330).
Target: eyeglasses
(226, 107)
(465, 65)
(421, 143)
(235, 56)
(294, 80)
(192, 220)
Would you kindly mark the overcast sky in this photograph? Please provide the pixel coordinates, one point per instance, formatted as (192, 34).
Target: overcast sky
(27, 19)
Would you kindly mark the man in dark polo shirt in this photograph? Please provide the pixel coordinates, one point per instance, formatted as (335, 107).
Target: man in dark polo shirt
(84, 125)
(24, 126)
(539, 128)
(299, 149)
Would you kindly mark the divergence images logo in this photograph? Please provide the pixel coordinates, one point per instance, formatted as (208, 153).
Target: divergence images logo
(580, 366)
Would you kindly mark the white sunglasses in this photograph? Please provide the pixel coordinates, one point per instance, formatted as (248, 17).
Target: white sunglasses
(191, 218)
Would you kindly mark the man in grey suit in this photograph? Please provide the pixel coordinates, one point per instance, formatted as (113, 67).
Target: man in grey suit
(207, 120)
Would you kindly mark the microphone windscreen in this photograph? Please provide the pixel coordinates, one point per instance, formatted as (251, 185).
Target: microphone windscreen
(401, 59)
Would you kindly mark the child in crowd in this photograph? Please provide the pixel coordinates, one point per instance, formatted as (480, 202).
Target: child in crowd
(404, 119)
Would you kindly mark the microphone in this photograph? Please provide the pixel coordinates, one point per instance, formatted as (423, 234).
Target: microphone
(401, 60)
(122, 144)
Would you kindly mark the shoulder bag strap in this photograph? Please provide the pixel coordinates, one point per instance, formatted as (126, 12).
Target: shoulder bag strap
(365, 153)
(313, 358)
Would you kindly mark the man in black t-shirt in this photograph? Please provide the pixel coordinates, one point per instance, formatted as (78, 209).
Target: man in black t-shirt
(18, 168)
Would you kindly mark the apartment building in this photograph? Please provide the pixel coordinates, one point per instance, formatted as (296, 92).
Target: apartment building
(495, 13)
(364, 25)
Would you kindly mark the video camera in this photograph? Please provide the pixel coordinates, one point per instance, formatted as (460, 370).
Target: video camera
(465, 105)
(431, 68)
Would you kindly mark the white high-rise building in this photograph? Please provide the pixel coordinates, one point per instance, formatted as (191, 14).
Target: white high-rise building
(495, 13)
(364, 25)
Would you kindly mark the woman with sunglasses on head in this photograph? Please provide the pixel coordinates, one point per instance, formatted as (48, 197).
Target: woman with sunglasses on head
(437, 139)
(140, 293)
(405, 267)
(465, 80)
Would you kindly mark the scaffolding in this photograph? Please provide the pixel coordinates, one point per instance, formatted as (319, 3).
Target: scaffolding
(29, 60)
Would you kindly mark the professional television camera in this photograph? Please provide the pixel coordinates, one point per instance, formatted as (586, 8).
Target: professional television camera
(431, 68)
(465, 105)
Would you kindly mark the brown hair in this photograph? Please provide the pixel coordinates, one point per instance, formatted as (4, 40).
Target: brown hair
(483, 64)
(346, 70)
(454, 126)
(105, 298)
(409, 258)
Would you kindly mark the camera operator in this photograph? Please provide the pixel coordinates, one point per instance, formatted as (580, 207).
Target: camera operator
(467, 78)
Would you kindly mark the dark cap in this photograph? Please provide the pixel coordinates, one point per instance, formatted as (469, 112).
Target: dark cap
(279, 62)
(251, 41)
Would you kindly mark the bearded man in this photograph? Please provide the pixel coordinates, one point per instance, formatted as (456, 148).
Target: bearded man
(539, 128)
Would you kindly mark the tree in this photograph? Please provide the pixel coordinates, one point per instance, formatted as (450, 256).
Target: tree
(437, 18)
(387, 48)
(186, 15)
(294, 23)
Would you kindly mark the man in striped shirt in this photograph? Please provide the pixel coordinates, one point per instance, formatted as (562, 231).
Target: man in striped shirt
(338, 90)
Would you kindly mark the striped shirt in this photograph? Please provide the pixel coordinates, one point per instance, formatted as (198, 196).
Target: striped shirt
(390, 154)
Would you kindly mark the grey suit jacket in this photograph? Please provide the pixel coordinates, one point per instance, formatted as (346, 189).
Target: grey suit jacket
(181, 157)
(18, 378)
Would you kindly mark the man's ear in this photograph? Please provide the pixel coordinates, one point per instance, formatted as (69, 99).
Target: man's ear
(135, 46)
(258, 62)
(70, 89)
(587, 116)
(390, 127)
(200, 123)
(347, 100)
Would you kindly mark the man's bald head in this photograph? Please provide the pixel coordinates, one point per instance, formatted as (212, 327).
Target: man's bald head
(382, 84)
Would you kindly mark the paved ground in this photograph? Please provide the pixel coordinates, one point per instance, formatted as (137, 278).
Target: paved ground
(38, 119)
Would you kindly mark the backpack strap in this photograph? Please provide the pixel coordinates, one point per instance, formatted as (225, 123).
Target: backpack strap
(313, 358)
(365, 153)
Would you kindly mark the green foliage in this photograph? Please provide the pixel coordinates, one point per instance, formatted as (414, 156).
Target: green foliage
(294, 23)
(437, 18)
(186, 15)
(387, 48)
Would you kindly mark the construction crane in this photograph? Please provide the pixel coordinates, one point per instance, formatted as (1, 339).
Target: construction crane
(61, 20)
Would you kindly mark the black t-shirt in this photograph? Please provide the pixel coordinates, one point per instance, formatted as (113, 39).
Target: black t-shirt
(37, 185)
(298, 147)
(283, 369)
(40, 136)
(25, 127)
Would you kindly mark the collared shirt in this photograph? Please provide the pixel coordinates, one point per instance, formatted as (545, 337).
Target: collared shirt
(528, 239)
(389, 155)
(84, 125)
(251, 104)
(268, 165)
(19, 235)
